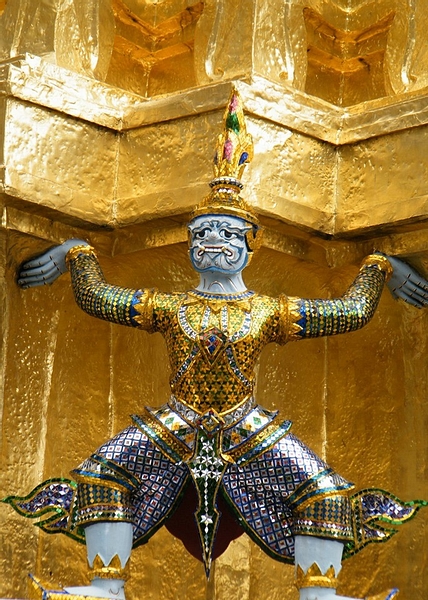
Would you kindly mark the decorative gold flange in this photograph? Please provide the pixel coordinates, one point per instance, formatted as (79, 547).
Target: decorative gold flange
(76, 250)
(113, 570)
(315, 578)
(381, 262)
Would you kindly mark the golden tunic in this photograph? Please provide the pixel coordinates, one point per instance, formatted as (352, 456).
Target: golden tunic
(214, 341)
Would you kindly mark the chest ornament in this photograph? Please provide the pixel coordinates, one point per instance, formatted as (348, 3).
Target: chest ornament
(213, 341)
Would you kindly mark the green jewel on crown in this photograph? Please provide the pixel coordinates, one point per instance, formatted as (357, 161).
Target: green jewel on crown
(234, 147)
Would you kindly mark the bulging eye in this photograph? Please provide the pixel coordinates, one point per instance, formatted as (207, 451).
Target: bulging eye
(227, 235)
(199, 235)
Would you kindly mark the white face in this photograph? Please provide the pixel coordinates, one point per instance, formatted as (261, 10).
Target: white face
(217, 243)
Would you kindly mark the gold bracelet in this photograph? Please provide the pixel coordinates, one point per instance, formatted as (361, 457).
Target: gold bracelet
(114, 570)
(76, 250)
(381, 262)
(314, 578)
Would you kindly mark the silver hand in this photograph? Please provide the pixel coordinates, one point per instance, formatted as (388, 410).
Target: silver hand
(45, 268)
(406, 283)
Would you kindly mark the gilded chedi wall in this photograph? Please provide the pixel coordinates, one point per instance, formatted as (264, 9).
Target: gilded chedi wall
(109, 113)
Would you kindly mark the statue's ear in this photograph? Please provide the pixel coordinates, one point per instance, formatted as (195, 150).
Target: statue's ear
(254, 238)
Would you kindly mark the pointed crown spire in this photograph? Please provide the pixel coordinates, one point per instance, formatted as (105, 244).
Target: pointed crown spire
(234, 145)
(234, 150)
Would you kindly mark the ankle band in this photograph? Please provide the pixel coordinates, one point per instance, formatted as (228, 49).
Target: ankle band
(314, 578)
(113, 570)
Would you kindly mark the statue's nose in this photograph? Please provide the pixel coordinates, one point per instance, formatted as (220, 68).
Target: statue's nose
(214, 237)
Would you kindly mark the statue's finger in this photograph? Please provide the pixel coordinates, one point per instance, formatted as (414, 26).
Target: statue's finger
(38, 262)
(39, 273)
(42, 280)
(415, 292)
(398, 282)
(422, 294)
(40, 270)
(36, 283)
(416, 279)
(39, 278)
(28, 284)
(397, 294)
(422, 284)
(52, 274)
(411, 299)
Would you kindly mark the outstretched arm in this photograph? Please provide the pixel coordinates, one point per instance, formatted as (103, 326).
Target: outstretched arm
(92, 293)
(303, 318)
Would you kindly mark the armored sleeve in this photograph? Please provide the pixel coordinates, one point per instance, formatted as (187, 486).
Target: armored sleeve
(124, 306)
(302, 318)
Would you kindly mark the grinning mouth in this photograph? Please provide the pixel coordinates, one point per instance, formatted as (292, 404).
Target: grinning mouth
(213, 250)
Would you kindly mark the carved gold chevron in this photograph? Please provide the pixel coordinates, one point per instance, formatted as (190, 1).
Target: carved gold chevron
(146, 58)
(346, 67)
(140, 32)
(157, 58)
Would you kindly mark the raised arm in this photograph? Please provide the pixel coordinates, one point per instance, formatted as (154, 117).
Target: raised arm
(303, 318)
(93, 294)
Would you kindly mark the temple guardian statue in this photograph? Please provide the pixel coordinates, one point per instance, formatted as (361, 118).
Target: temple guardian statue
(212, 445)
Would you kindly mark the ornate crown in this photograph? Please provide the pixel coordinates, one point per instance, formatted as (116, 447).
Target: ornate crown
(234, 151)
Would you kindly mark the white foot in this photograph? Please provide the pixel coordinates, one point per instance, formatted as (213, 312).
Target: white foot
(101, 588)
(329, 594)
(332, 597)
(322, 594)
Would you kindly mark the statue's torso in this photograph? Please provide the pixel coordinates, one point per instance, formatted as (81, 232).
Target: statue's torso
(213, 346)
(215, 341)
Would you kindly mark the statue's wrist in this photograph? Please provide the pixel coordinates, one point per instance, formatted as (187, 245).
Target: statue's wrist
(380, 261)
(76, 250)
